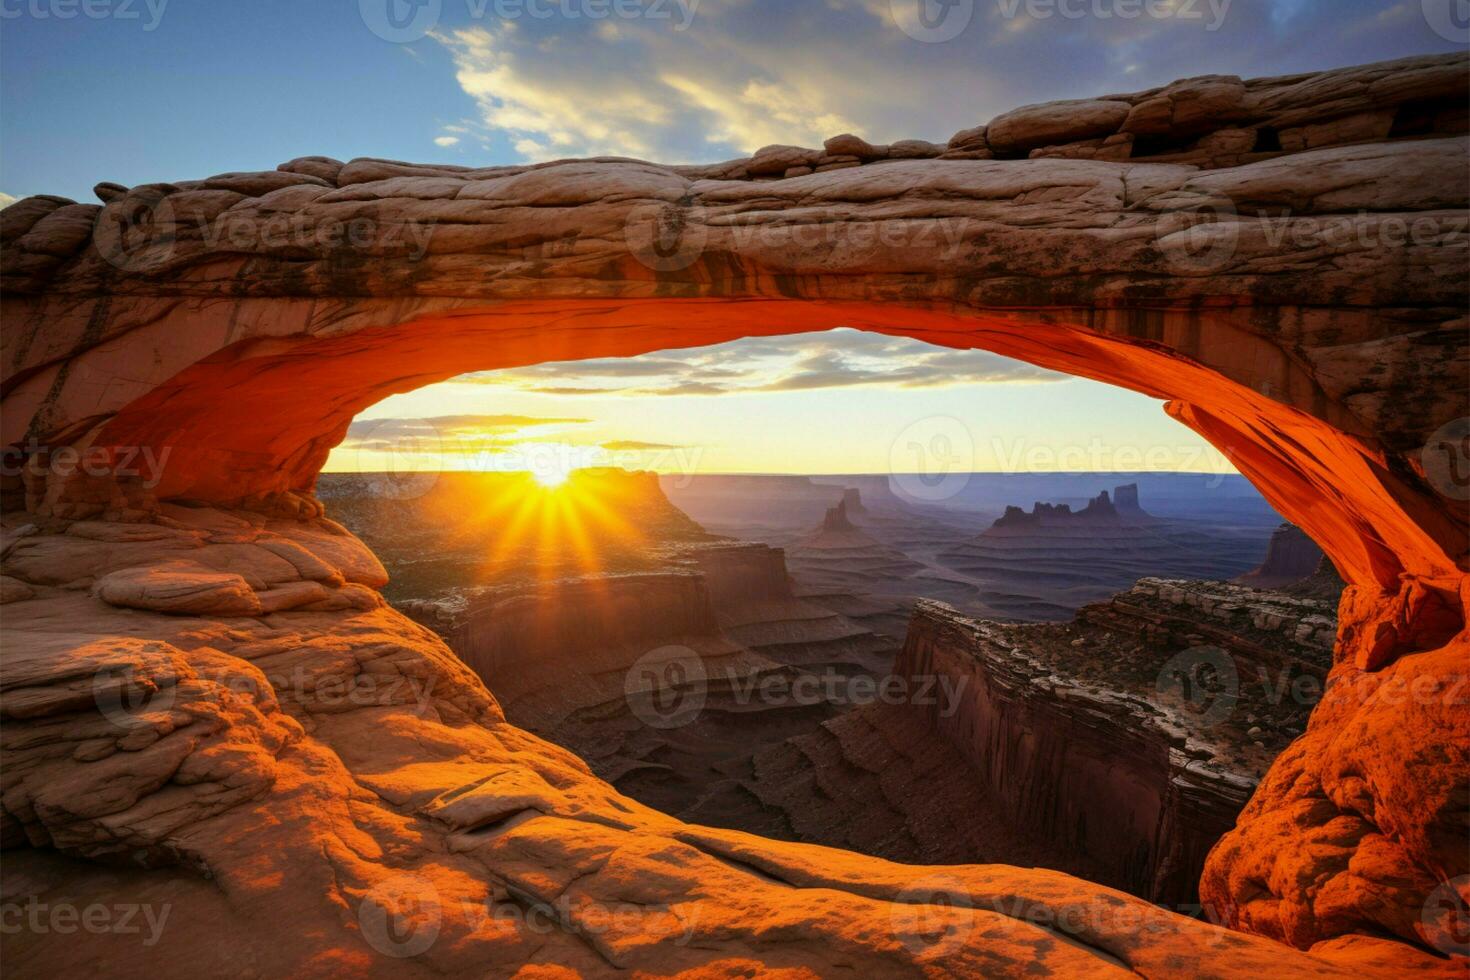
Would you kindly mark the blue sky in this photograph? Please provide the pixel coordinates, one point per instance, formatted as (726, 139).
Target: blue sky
(188, 88)
(154, 90)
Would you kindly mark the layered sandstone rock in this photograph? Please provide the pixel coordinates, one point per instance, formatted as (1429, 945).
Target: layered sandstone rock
(1300, 300)
(1272, 628)
(344, 772)
(1103, 775)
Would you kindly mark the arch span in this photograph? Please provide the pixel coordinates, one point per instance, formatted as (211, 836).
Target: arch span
(259, 416)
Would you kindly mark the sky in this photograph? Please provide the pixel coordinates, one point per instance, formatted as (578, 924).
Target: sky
(136, 91)
(840, 401)
(154, 90)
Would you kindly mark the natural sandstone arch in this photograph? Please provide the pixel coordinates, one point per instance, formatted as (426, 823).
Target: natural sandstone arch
(1323, 367)
(259, 416)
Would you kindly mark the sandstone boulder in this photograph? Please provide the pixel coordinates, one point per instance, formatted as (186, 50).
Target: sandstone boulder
(323, 168)
(777, 159)
(182, 588)
(1055, 122)
(849, 145)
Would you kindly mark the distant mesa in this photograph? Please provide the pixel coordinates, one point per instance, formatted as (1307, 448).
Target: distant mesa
(854, 551)
(1045, 563)
(1120, 507)
(837, 519)
(1290, 557)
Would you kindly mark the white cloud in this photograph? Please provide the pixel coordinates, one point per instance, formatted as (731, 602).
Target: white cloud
(6, 200)
(747, 73)
(445, 140)
(553, 115)
(760, 114)
(799, 362)
(654, 95)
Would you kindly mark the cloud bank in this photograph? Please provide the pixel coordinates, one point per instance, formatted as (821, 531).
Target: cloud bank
(701, 81)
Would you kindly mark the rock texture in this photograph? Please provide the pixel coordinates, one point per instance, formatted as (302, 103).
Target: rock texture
(1095, 770)
(1284, 259)
(1271, 628)
(339, 769)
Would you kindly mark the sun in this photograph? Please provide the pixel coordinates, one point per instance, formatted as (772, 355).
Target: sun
(552, 475)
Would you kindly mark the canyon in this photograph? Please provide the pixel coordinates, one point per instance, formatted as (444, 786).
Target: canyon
(781, 716)
(208, 703)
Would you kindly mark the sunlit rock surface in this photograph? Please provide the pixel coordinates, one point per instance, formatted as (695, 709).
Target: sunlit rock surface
(343, 771)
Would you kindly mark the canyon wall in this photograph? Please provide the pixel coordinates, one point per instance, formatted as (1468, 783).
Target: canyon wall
(1097, 772)
(557, 628)
(737, 574)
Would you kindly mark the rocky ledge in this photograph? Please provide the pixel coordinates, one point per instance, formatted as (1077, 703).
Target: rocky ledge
(1134, 786)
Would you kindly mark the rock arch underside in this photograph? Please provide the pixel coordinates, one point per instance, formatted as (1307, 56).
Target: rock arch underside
(1284, 260)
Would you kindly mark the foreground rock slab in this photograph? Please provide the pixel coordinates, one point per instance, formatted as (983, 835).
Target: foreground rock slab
(343, 772)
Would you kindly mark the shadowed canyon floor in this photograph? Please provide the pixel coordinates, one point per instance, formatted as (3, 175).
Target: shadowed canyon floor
(208, 704)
